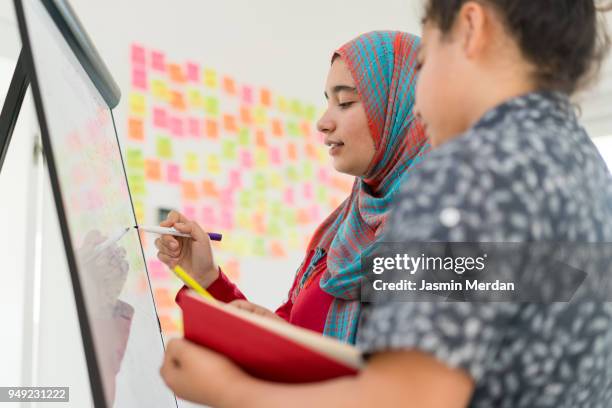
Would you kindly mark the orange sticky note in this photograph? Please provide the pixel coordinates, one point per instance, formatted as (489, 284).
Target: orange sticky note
(212, 128)
(229, 85)
(277, 250)
(209, 188)
(277, 127)
(311, 151)
(167, 324)
(152, 169)
(136, 129)
(177, 100)
(229, 123)
(305, 128)
(265, 97)
(245, 115)
(190, 192)
(260, 138)
(175, 72)
(292, 151)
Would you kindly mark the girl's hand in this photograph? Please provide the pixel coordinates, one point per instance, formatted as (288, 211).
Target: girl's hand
(193, 254)
(197, 374)
(255, 309)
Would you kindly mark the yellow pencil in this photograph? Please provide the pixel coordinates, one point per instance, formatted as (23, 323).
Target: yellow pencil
(191, 283)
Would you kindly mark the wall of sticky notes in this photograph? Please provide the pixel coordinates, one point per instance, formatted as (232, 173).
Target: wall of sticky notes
(239, 158)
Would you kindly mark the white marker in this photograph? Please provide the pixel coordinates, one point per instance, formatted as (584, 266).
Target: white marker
(162, 231)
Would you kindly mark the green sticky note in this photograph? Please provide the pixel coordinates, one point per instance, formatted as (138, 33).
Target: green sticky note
(276, 209)
(296, 107)
(321, 194)
(211, 105)
(229, 149)
(293, 129)
(310, 112)
(260, 182)
(290, 218)
(244, 137)
(259, 247)
(307, 170)
(135, 159)
(137, 184)
(164, 147)
(274, 229)
(245, 199)
(292, 173)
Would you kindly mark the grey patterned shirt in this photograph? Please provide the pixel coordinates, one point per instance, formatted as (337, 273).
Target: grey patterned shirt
(525, 172)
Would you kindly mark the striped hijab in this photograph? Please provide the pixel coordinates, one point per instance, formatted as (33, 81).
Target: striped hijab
(382, 64)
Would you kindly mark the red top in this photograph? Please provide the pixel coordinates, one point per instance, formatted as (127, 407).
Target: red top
(310, 307)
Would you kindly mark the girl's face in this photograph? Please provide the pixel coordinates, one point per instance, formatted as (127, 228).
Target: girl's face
(440, 96)
(345, 124)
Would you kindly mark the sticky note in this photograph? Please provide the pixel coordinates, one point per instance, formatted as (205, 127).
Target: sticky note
(246, 159)
(277, 128)
(135, 129)
(175, 72)
(307, 191)
(212, 128)
(173, 172)
(191, 163)
(310, 112)
(189, 189)
(322, 194)
(311, 151)
(314, 212)
(247, 94)
(139, 213)
(245, 199)
(226, 195)
(305, 128)
(323, 176)
(164, 147)
(209, 188)
(307, 170)
(260, 181)
(296, 107)
(261, 157)
(235, 179)
(245, 115)
(194, 126)
(211, 105)
(152, 169)
(139, 79)
(193, 72)
(190, 212)
(168, 324)
(160, 117)
(229, 123)
(303, 217)
(276, 181)
(226, 220)
(244, 138)
(195, 98)
(209, 217)
(160, 90)
(260, 138)
(265, 97)
(292, 151)
(292, 173)
(138, 54)
(210, 78)
(213, 165)
(260, 116)
(293, 129)
(134, 159)
(229, 85)
(274, 229)
(175, 126)
(137, 104)
(228, 149)
(275, 155)
(137, 184)
(282, 104)
(288, 196)
(177, 100)
(158, 61)
(157, 270)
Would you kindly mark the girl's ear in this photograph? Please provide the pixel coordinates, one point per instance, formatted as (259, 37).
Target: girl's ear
(472, 28)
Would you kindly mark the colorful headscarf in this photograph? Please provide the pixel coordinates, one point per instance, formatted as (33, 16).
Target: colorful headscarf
(383, 66)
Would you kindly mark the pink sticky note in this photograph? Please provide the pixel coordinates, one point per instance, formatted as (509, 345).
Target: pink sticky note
(138, 54)
(175, 125)
(226, 220)
(307, 191)
(235, 180)
(323, 176)
(209, 218)
(158, 61)
(194, 125)
(226, 196)
(174, 173)
(190, 212)
(246, 159)
(313, 211)
(160, 117)
(275, 155)
(193, 72)
(288, 196)
(247, 94)
(156, 269)
(139, 78)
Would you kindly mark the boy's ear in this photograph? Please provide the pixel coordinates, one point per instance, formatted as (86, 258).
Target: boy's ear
(471, 28)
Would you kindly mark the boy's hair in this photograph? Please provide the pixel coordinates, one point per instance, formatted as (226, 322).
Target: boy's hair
(563, 39)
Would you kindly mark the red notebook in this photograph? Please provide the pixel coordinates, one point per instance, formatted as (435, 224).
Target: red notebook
(267, 349)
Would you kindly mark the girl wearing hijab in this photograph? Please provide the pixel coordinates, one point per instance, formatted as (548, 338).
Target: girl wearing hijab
(372, 135)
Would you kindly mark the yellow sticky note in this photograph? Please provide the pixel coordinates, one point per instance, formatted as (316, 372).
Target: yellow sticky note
(282, 104)
(135, 159)
(164, 147)
(160, 90)
(229, 149)
(137, 104)
(137, 184)
(260, 116)
(139, 211)
(195, 98)
(276, 181)
(210, 78)
(191, 163)
(261, 157)
(213, 164)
